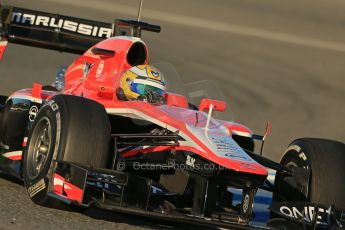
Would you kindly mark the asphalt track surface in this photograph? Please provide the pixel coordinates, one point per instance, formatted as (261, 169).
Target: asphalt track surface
(281, 61)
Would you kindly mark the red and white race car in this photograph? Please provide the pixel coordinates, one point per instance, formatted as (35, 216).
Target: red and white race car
(77, 142)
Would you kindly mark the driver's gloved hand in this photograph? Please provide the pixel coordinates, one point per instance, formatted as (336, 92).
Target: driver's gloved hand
(151, 97)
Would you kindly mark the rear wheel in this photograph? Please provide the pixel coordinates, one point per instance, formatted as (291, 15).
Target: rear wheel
(326, 161)
(69, 129)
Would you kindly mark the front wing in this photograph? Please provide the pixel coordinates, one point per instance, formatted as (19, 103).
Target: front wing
(128, 193)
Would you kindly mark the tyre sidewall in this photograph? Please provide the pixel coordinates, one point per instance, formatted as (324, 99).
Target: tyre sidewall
(37, 188)
(297, 153)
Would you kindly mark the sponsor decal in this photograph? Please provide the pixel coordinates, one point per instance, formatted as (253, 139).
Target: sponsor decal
(100, 69)
(53, 105)
(302, 156)
(245, 204)
(60, 23)
(226, 146)
(190, 161)
(33, 112)
(303, 212)
(36, 188)
(307, 213)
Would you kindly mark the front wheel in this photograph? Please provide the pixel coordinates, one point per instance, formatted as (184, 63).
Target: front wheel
(38, 158)
(67, 128)
(326, 161)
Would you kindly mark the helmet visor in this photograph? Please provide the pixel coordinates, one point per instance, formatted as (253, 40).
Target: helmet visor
(143, 89)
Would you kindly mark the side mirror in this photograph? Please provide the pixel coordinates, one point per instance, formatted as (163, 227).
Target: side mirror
(3, 45)
(217, 105)
(176, 100)
(37, 90)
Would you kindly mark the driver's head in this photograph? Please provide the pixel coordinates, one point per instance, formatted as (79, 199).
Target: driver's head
(140, 80)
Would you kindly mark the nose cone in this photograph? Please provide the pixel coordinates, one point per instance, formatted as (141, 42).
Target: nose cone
(224, 151)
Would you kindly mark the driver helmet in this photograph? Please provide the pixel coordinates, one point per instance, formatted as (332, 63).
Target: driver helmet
(140, 80)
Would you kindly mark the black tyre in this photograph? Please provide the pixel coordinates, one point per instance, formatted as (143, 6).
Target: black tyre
(326, 161)
(67, 128)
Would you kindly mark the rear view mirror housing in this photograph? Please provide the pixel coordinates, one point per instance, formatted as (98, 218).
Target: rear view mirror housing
(217, 105)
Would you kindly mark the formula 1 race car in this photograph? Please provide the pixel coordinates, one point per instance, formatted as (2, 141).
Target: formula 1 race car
(77, 142)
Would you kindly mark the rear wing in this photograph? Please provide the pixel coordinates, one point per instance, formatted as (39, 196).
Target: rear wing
(51, 31)
(59, 32)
